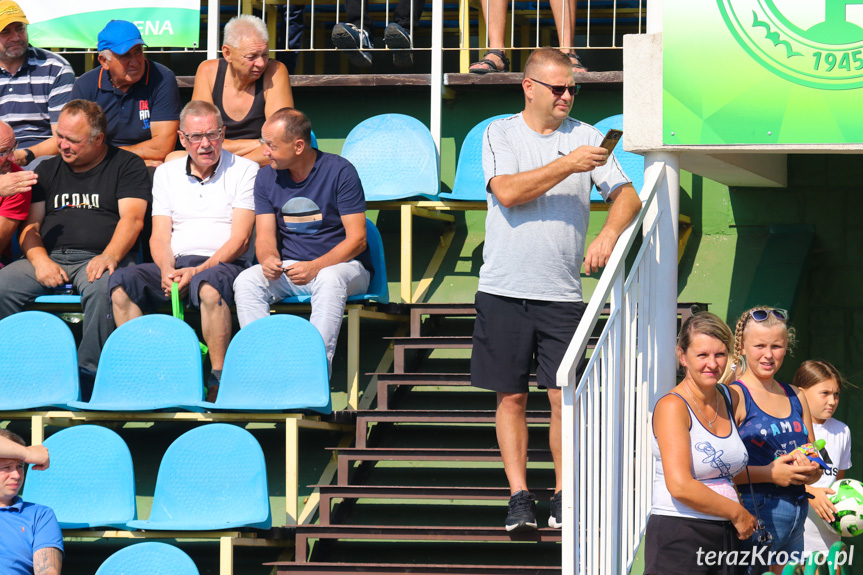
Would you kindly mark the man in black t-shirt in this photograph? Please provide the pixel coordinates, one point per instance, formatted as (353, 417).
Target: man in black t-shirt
(87, 210)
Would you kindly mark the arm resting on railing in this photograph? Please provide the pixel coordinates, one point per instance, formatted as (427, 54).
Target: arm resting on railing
(624, 208)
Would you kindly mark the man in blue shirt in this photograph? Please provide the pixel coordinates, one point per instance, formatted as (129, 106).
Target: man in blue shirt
(310, 215)
(30, 539)
(140, 98)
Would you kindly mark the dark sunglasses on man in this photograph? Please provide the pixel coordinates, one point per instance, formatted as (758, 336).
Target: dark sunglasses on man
(557, 91)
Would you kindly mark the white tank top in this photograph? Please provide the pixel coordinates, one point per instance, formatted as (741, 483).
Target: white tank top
(715, 461)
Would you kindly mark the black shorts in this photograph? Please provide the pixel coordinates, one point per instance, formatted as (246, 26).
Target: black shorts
(672, 545)
(143, 282)
(511, 334)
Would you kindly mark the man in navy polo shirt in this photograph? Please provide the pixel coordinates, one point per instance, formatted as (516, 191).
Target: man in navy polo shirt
(310, 215)
(140, 98)
(30, 539)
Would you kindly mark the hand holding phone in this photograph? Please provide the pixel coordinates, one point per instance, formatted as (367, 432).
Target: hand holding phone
(612, 137)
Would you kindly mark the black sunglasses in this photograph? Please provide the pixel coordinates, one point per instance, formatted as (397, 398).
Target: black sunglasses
(559, 90)
(760, 315)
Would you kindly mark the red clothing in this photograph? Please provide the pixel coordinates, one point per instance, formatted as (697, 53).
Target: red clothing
(18, 206)
(15, 207)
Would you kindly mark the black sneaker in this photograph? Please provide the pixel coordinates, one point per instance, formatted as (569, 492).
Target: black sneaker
(355, 41)
(555, 520)
(398, 40)
(522, 512)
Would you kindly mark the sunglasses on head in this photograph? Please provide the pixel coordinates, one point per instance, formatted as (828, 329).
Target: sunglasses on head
(760, 315)
(558, 91)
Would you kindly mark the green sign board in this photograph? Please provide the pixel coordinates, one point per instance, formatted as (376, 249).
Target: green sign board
(64, 24)
(762, 72)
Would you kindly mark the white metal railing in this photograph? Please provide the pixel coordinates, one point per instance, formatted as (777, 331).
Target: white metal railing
(608, 466)
(599, 23)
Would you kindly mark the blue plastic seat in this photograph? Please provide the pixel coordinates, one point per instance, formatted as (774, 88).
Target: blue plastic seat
(378, 289)
(40, 362)
(469, 184)
(395, 157)
(279, 363)
(632, 164)
(91, 481)
(150, 558)
(151, 362)
(212, 477)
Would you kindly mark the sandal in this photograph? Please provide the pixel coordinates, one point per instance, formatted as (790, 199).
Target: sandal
(486, 65)
(577, 65)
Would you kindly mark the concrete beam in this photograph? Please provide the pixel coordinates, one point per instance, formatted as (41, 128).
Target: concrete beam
(732, 165)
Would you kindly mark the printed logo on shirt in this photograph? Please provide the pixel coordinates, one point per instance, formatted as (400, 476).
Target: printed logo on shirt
(302, 216)
(79, 201)
(713, 458)
(144, 113)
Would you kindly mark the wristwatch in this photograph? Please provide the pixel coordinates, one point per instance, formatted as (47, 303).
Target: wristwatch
(29, 156)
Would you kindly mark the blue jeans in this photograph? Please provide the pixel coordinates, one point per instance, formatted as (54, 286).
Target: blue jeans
(784, 517)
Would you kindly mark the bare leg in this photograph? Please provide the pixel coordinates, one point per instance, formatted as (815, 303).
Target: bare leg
(494, 13)
(564, 21)
(124, 308)
(511, 428)
(215, 324)
(555, 437)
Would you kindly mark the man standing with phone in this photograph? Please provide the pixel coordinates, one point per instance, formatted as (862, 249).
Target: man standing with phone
(539, 168)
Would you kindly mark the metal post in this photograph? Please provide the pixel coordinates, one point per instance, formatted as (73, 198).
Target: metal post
(436, 74)
(654, 17)
(212, 29)
(664, 287)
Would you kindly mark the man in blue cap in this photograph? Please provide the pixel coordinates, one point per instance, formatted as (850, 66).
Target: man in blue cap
(140, 98)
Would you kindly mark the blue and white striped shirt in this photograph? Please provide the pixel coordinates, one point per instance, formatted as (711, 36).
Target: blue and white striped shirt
(31, 99)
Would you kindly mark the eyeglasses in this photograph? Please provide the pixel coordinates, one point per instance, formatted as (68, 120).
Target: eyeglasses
(197, 138)
(9, 152)
(760, 315)
(558, 91)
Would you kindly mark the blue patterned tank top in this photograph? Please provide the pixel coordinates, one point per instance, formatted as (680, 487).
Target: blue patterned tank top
(767, 437)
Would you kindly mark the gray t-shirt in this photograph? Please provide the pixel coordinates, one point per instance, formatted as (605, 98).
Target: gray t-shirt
(535, 250)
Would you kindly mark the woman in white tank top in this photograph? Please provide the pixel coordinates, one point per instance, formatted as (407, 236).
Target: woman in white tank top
(696, 518)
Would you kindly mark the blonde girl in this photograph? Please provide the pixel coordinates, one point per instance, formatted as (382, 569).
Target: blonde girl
(773, 419)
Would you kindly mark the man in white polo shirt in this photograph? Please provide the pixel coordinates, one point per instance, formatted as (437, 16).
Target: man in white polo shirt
(203, 215)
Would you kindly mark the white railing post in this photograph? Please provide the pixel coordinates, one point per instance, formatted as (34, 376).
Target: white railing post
(213, 27)
(663, 284)
(437, 86)
(654, 17)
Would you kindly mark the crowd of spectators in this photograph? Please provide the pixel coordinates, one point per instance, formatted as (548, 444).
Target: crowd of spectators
(101, 168)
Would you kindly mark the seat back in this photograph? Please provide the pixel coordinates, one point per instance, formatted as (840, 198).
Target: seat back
(150, 362)
(632, 164)
(278, 362)
(379, 290)
(91, 481)
(469, 181)
(149, 558)
(40, 362)
(211, 477)
(395, 157)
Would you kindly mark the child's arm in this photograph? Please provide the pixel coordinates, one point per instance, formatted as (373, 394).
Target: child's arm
(820, 501)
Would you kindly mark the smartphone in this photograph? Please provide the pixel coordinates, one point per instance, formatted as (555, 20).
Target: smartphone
(612, 137)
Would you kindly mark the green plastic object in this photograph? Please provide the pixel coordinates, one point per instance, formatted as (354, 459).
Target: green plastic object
(177, 311)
